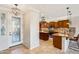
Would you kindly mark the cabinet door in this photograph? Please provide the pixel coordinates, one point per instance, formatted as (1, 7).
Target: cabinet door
(52, 24)
(60, 24)
(43, 24)
(57, 42)
(56, 25)
(44, 36)
(65, 24)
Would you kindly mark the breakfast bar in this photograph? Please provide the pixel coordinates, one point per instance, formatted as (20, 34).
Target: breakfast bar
(60, 41)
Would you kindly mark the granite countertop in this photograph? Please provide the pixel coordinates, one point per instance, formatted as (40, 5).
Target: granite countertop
(57, 32)
(44, 31)
(60, 34)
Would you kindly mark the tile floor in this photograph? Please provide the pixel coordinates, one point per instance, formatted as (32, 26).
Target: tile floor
(46, 47)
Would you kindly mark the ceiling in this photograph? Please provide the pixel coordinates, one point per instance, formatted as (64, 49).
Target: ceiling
(55, 10)
(49, 10)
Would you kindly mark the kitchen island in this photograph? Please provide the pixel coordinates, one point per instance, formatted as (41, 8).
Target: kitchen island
(61, 41)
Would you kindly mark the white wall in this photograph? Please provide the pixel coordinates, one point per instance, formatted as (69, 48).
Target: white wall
(26, 30)
(4, 39)
(34, 29)
(31, 29)
(75, 23)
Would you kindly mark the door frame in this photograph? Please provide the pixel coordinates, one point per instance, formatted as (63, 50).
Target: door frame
(21, 25)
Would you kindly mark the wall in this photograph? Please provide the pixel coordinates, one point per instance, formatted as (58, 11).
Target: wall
(4, 39)
(75, 23)
(26, 30)
(31, 29)
(34, 29)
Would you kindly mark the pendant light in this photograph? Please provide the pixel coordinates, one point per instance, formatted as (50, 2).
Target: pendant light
(69, 14)
(16, 10)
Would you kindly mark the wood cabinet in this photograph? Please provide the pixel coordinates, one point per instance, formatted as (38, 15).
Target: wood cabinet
(53, 24)
(63, 24)
(43, 24)
(57, 42)
(60, 24)
(44, 36)
(56, 25)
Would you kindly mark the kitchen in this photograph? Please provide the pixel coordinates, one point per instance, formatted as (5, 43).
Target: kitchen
(59, 32)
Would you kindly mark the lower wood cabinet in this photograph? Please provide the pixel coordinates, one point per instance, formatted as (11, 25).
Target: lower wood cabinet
(57, 42)
(44, 36)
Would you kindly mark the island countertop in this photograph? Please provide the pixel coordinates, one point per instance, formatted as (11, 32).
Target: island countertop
(60, 34)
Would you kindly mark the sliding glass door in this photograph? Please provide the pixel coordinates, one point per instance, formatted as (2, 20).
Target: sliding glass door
(15, 31)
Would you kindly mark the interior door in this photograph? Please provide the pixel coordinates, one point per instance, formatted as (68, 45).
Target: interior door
(3, 32)
(15, 31)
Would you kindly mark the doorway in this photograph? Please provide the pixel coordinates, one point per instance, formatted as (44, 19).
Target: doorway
(15, 31)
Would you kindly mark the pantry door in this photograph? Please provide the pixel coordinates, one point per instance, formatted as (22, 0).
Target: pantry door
(15, 33)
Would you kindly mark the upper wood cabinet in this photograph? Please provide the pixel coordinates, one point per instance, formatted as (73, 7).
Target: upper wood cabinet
(63, 24)
(52, 24)
(56, 25)
(44, 24)
(66, 23)
(60, 24)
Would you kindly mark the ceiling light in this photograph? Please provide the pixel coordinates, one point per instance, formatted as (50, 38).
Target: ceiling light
(15, 10)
